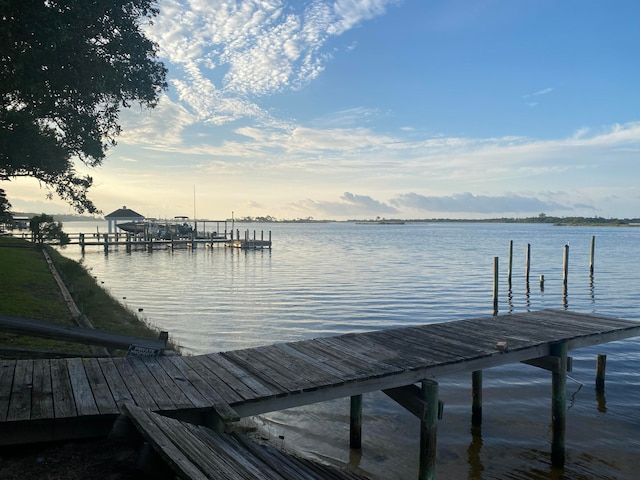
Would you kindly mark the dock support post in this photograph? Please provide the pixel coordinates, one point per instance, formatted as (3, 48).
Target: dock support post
(476, 396)
(355, 431)
(601, 367)
(559, 405)
(527, 267)
(592, 254)
(565, 269)
(510, 262)
(495, 285)
(428, 430)
(106, 242)
(82, 242)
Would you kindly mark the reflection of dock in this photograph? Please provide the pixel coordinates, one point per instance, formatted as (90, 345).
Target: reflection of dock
(58, 399)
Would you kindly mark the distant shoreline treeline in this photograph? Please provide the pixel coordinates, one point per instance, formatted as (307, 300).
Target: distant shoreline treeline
(541, 218)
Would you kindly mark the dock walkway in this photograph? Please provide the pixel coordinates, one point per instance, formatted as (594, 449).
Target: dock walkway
(56, 399)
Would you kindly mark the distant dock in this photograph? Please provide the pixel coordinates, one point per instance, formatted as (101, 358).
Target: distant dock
(145, 241)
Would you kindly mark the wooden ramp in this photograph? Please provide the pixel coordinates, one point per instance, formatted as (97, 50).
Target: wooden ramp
(67, 398)
(198, 453)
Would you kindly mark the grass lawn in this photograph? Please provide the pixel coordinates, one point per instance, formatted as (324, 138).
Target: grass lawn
(28, 289)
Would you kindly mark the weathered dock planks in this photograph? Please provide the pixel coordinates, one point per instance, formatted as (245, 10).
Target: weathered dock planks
(257, 380)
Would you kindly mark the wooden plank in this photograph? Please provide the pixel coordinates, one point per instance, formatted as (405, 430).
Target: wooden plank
(137, 390)
(443, 339)
(410, 353)
(117, 386)
(7, 369)
(333, 374)
(261, 389)
(376, 367)
(318, 353)
(215, 400)
(64, 405)
(201, 366)
(377, 345)
(339, 352)
(264, 364)
(182, 382)
(82, 394)
(228, 446)
(442, 342)
(233, 382)
(483, 336)
(20, 403)
(151, 384)
(307, 371)
(213, 466)
(42, 393)
(99, 386)
(177, 396)
(163, 444)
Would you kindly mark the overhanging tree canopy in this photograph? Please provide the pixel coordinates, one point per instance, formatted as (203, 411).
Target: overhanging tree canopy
(67, 67)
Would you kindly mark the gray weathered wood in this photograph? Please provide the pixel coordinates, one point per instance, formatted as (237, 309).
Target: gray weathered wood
(85, 403)
(7, 369)
(42, 392)
(64, 405)
(117, 386)
(20, 403)
(101, 393)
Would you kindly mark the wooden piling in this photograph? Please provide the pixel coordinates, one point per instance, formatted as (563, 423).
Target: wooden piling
(476, 398)
(527, 267)
(541, 282)
(106, 242)
(428, 430)
(601, 367)
(495, 285)
(355, 431)
(565, 269)
(510, 261)
(558, 404)
(592, 255)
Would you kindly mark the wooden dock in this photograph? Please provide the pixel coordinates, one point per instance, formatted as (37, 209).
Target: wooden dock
(130, 241)
(56, 399)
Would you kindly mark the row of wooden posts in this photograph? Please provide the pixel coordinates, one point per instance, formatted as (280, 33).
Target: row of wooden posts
(558, 381)
(565, 269)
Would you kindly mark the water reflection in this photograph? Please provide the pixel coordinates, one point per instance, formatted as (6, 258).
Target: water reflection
(474, 457)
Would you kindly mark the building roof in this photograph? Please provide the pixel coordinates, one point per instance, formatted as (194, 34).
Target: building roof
(124, 212)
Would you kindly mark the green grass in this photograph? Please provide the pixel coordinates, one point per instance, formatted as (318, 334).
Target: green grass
(28, 289)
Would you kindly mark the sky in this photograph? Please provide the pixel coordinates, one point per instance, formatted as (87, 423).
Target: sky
(358, 109)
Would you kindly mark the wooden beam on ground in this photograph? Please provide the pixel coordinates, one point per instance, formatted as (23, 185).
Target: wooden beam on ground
(87, 336)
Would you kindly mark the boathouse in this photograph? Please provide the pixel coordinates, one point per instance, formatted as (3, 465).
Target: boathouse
(122, 215)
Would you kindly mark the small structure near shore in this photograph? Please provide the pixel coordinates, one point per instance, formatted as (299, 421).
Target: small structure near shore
(122, 215)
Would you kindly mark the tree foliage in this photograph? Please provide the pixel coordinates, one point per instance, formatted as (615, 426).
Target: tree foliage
(5, 215)
(45, 230)
(67, 67)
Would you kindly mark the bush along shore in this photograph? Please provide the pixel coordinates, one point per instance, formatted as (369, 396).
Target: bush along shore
(28, 289)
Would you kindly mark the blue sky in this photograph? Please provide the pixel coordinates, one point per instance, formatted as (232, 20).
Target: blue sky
(396, 108)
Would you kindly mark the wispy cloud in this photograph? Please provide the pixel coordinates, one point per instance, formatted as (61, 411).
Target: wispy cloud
(224, 55)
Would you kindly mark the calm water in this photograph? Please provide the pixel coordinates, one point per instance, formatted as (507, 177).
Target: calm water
(333, 278)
